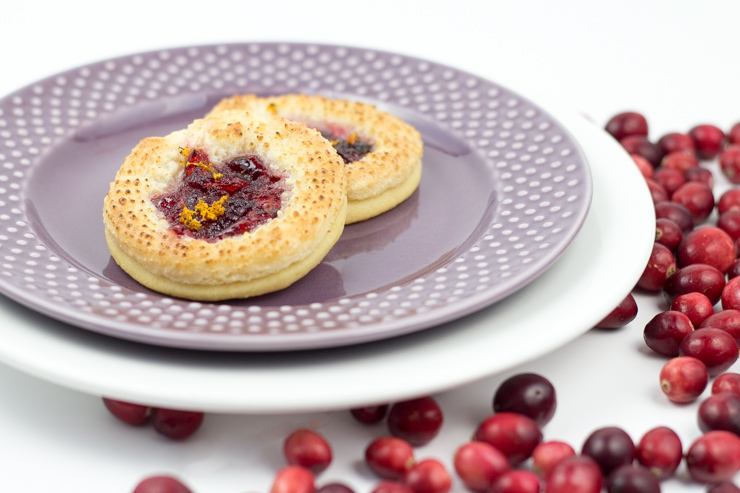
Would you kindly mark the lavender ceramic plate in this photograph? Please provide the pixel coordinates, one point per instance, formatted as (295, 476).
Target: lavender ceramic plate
(505, 189)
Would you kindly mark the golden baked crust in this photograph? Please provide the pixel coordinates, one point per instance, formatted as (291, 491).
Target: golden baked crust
(381, 179)
(282, 250)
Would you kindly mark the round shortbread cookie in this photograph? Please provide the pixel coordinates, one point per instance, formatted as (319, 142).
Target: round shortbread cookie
(236, 205)
(382, 153)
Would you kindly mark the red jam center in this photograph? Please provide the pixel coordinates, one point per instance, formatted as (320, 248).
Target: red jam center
(351, 148)
(211, 202)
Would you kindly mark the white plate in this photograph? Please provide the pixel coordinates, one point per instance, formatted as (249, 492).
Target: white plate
(598, 269)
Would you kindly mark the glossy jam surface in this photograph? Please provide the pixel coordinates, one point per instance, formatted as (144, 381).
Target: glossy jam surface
(212, 203)
(350, 147)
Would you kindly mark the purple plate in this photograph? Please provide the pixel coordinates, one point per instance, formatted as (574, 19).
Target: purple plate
(504, 190)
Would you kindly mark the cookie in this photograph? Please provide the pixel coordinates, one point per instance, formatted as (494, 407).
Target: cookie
(235, 205)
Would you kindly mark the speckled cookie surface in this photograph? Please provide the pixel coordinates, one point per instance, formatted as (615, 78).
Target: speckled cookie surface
(383, 177)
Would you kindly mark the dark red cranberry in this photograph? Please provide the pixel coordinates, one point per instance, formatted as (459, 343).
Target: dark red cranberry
(667, 233)
(729, 222)
(528, 394)
(417, 421)
(697, 198)
(657, 191)
(661, 265)
(627, 123)
(646, 169)
(293, 479)
(729, 200)
(677, 142)
(547, 454)
(631, 478)
(576, 474)
(683, 379)
(516, 481)
(734, 269)
(727, 382)
(130, 413)
(714, 457)
(665, 331)
(729, 163)
(706, 245)
(513, 434)
(733, 136)
(479, 464)
(708, 140)
(335, 488)
(679, 161)
(428, 476)
(610, 447)
(700, 175)
(389, 457)
(723, 487)
(696, 306)
(624, 313)
(660, 451)
(671, 179)
(308, 449)
(720, 411)
(176, 424)
(727, 320)
(370, 414)
(731, 294)
(714, 347)
(161, 484)
(641, 145)
(676, 213)
(391, 487)
(695, 278)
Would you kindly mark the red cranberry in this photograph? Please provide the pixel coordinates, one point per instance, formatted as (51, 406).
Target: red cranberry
(547, 454)
(696, 306)
(646, 169)
(727, 320)
(697, 198)
(665, 331)
(479, 464)
(723, 487)
(335, 488)
(734, 269)
(695, 278)
(729, 200)
(667, 233)
(676, 213)
(657, 191)
(417, 421)
(428, 476)
(714, 347)
(708, 140)
(389, 457)
(624, 313)
(729, 163)
(161, 484)
(731, 294)
(391, 487)
(660, 450)
(720, 412)
(308, 449)
(683, 379)
(513, 434)
(625, 124)
(727, 382)
(610, 447)
(631, 478)
(729, 222)
(671, 179)
(176, 424)
(133, 414)
(679, 161)
(706, 245)
(516, 481)
(528, 394)
(700, 175)
(370, 414)
(677, 142)
(641, 145)
(714, 457)
(733, 136)
(293, 479)
(576, 474)
(661, 265)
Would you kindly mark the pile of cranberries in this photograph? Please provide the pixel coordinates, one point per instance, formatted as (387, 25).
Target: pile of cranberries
(693, 265)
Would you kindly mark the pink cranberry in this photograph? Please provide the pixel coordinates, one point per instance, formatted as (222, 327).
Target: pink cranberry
(657, 191)
(641, 145)
(677, 142)
(547, 454)
(720, 411)
(516, 481)
(729, 200)
(513, 434)
(661, 265)
(389, 457)
(708, 140)
(308, 449)
(624, 313)
(679, 161)
(667, 233)
(631, 478)
(714, 347)
(665, 331)
(392, 487)
(133, 414)
(696, 306)
(370, 414)
(729, 163)
(293, 479)
(706, 245)
(417, 421)
(428, 476)
(695, 278)
(700, 175)
(646, 169)
(727, 382)
(161, 484)
(671, 179)
(576, 474)
(627, 123)
(733, 136)
(723, 487)
(683, 379)
(479, 464)
(731, 294)
(676, 213)
(176, 424)
(610, 447)
(660, 450)
(697, 198)
(727, 320)
(529, 394)
(714, 457)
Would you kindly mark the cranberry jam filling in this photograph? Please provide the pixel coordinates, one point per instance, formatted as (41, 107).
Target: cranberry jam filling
(351, 148)
(211, 202)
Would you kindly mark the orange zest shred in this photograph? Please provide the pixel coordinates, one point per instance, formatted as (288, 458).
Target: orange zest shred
(352, 138)
(272, 108)
(204, 211)
(187, 152)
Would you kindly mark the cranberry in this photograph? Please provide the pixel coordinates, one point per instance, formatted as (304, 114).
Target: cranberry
(610, 447)
(714, 347)
(729, 200)
(391, 487)
(161, 484)
(727, 382)
(667, 233)
(528, 394)
(727, 320)
(720, 411)
(665, 331)
(646, 169)
(428, 476)
(661, 265)
(479, 464)
(714, 457)
(625, 124)
(631, 478)
(657, 191)
(696, 306)
(734, 269)
(677, 142)
(683, 379)
(133, 414)
(308, 449)
(176, 424)
(370, 414)
(706, 245)
(547, 454)
(335, 488)
(700, 175)
(729, 222)
(676, 213)
(417, 421)
(671, 179)
(660, 450)
(516, 481)
(729, 163)
(733, 136)
(697, 198)
(389, 457)
(293, 479)
(707, 139)
(624, 313)
(695, 278)
(679, 161)
(723, 487)
(576, 474)
(731, 294)
(641, 145)
(513, 434)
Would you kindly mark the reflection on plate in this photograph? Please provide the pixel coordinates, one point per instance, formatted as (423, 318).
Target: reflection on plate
(504, 191)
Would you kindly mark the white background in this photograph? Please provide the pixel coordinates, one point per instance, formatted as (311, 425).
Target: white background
(675, 61)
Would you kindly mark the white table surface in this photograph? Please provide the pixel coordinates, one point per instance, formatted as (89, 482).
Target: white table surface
(675, 61)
